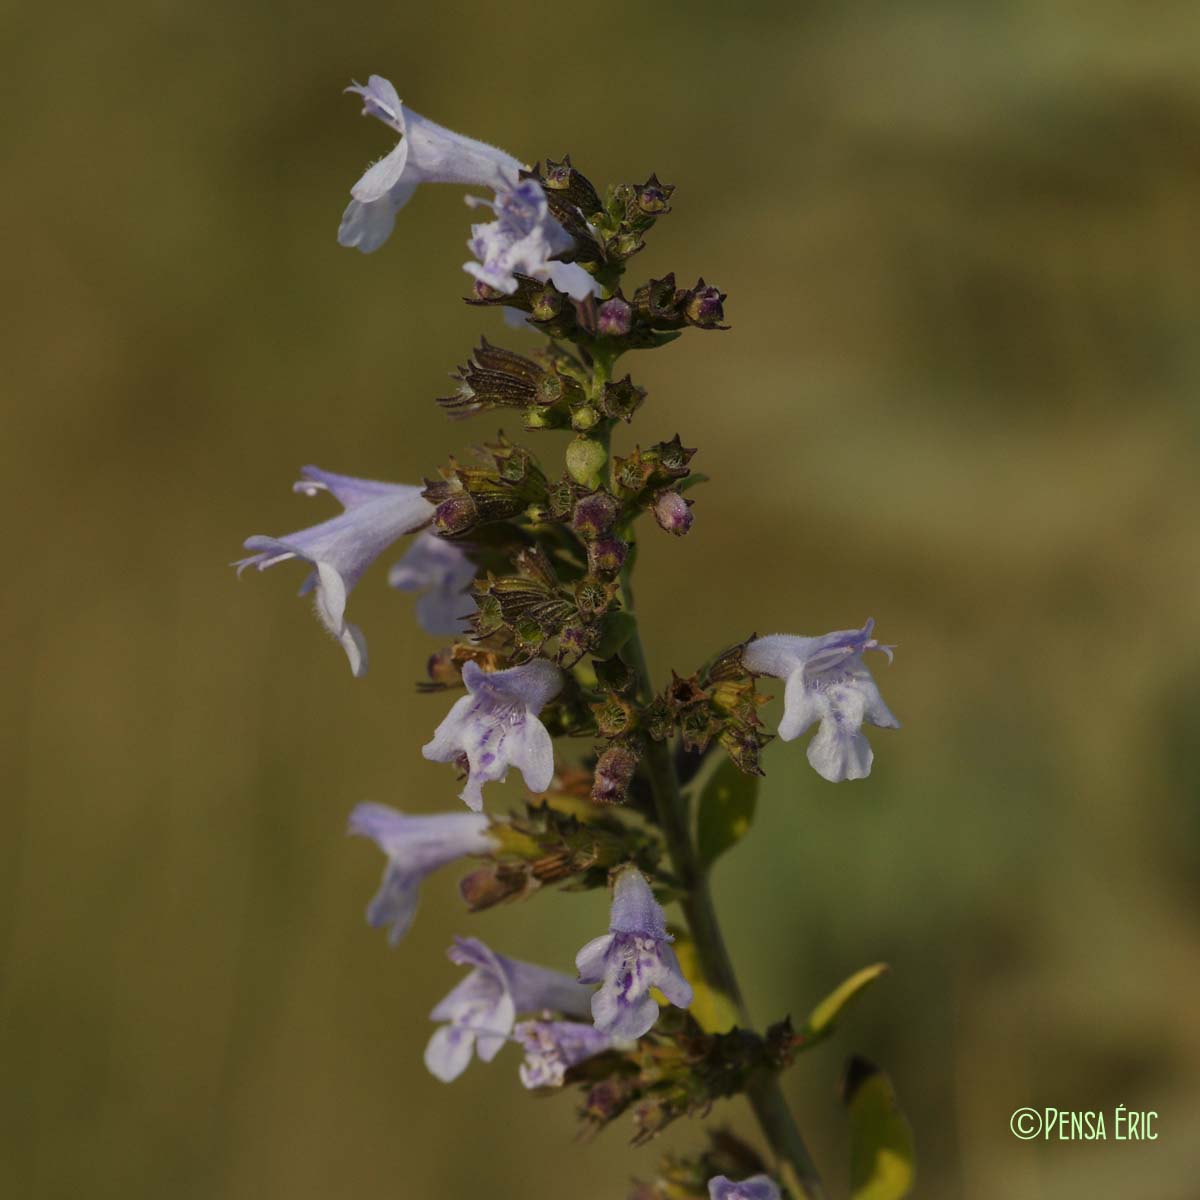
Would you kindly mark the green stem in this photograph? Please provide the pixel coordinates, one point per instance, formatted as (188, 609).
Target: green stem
(796, 1166)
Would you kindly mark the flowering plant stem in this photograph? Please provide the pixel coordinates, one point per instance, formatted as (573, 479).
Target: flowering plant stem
(766, 1097)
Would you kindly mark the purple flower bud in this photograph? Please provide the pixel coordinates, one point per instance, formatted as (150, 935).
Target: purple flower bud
(757, 1187)
(827, 681)
(673, 513)
(606, 555)
(552, 1048)
(594, 515)
(496, 726)
(341, 549)
(481, 1010)
(415, 846)
(613, 774)
(614, 318)
(705, 307)
(442, 573)
(456, 515)
(634, 956)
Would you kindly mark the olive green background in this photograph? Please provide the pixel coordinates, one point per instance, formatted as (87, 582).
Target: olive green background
(961, 247)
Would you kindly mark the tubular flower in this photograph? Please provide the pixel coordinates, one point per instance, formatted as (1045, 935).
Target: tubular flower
(415, 846)
(442, 573)
(827, 681)
(523, 239)
(552, 1048)
(634, 956)
(342, 548)
(426, 153)
(495, 726)
(480, 1012)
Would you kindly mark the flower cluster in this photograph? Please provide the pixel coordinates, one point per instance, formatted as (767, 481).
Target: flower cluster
(527, 572)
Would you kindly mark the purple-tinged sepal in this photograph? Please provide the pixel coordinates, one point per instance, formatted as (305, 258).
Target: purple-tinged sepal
(415, 846)
(757, 1187)
(341, 549)
(426, 153)
(495, 726)
(479, 1013)
(442, 573)
(552, 1048)
(827, 681)
(634, 956)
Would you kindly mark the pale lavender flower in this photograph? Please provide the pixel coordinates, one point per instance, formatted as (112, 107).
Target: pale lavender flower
(342, 548)
(634, 956)
(827, 681)
(495, 726)
(442, 572)
(480, 1012)
(426, 153)
(415, 846)
(552, 1048)
(757, 1187)
(524, 239)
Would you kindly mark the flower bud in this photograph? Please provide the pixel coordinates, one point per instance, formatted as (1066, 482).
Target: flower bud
(614, 772)
(606, 555)
(653, 197)
(584, 418)
(456, 515)
(705, 307)
(615, 318)
(673, 513)
(594, 515)
(586, 458)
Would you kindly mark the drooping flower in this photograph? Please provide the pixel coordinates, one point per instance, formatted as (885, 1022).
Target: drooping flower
(342, 548)
(415, 846)
(757, 1187)
(442, 573)
(827, 681)
(524, 239)
(634, 956)
(481, 1010)
(495, 726)
(426, 153)
(552, 1048)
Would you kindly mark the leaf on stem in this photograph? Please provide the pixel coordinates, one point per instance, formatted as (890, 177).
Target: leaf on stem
(821, 1021)
(712, 1010)
(725, 812)
(882, 1158)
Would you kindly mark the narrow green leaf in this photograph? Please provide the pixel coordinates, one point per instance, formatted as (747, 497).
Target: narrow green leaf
(821, 1020)
(693, 480)
(725, 812)
(882, 1158)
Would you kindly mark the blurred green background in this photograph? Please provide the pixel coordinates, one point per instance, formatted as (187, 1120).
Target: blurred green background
(962, 251)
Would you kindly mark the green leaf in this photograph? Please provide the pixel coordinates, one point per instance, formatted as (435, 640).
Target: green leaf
(821, 1020)
(882, 1159)
(726, 811)
(693, 480)
(615, 630)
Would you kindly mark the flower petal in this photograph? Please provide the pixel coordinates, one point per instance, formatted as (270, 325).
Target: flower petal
(449, 1052)
(589, 962)
(378, 179)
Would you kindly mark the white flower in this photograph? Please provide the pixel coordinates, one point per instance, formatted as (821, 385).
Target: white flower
(342, 548)
(827, 681)
(495, 726)
(426, 153)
